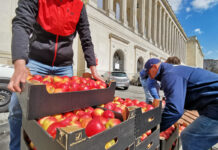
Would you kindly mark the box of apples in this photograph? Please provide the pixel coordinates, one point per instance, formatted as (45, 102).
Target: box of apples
(148, 140)
(49, 95)
(169, 138)
(82, 129)
(147, 119)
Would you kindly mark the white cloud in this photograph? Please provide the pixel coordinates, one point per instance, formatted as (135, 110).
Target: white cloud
(188, 16)
(188, 9)
(176, 5)
(203, 4)
(198, 31)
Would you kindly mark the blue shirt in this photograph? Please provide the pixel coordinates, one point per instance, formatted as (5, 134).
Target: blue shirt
(187, 88)
(153, 87)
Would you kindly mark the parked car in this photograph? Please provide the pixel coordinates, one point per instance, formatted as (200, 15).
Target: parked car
(5, 95)
(136, 80)
(121, 78)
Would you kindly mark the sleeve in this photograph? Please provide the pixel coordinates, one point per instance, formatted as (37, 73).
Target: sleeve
(85, 37)
(175, 91)
(152, 86)
(22, 27)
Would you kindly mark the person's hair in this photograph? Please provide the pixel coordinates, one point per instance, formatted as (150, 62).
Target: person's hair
(173, 60)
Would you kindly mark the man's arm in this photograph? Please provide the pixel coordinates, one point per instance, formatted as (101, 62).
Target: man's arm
(22, 26)
(86, 41)
(151, 83)
(175, 92)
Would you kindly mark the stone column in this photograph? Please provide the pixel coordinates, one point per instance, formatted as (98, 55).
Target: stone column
(94, 3)
(160, 23)
(155, 22)
(124, 12)
(167, 33)
(133, 15)
(149, 18)
(173, 40)
(142, 17)
(164, 30)
(109, 8)
(170, 36)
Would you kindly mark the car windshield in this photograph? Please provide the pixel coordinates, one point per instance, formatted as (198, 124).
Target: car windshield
(118, 74)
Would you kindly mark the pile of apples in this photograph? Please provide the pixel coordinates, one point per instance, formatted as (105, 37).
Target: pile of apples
(60, 84)
(164, 135)
(145, 135)
(93, 120)
(120, 105)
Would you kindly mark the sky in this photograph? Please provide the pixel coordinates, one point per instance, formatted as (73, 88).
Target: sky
(199, 18)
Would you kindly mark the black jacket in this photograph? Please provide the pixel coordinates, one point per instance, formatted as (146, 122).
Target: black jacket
(44, 31)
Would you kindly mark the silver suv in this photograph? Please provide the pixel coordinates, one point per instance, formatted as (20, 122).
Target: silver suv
(121, 78)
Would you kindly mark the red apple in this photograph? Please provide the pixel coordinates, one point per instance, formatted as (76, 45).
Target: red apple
(85, 116)
(50, 88)
(102, 120)
(94, 127)
(149, 107)
(52, 129)
(112, 122)
(47, 122)
(74, 86)
(85, 122)
(97, 112)
(58, 117)
(143, 137)
(48, 78)
(89, 110)
(110, 106)
(108, 114)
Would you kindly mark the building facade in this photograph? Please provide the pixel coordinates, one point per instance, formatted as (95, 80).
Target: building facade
(125, 34)
(195, 56)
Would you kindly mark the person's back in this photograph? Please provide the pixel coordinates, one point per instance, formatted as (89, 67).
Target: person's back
(200, 87)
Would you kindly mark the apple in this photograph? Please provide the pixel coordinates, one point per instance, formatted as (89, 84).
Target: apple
(75, 124)
(58, 90)
(110, 106)
(71, 115)
(112, 122)
(97, 112)
(79, 112)
(50, 88)
(149, 107)
(58, 79)
(58, 117)
(66, 79)
(118, 109)
(108, 114)
(47, 122)
(101, 119)
(143, 137)
(94, 127)
(40, 121)
(74, 86)
(135, 102)
(89, 110)
(102, 85)
(85, 121)
(92, 84)
(52, 129)
(65, 87)
(109, 144)
(47, 78)
(116, 98)
(83, 81)
(142, 104)
(86, 115)
(148, 132)
(83, 87)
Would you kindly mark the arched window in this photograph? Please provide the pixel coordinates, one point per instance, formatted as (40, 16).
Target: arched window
(118, 61)
(140, 64)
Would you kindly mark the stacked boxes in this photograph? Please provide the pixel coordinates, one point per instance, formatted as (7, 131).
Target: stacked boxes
(36, 103)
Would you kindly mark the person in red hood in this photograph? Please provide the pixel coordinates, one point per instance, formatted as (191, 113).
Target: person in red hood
(42, 38)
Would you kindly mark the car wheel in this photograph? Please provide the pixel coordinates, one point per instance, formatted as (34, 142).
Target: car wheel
(125, 88)
(5, 97)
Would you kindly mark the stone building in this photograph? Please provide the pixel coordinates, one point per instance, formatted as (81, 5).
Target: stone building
(211, 65)
(125, 34)
(195, 57)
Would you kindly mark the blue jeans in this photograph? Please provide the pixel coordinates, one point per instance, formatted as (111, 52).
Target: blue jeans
(148, 96)
(202, 134)
(15, 113)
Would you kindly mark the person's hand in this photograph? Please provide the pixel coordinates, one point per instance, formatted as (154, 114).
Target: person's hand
(19, 76)
(95, 74)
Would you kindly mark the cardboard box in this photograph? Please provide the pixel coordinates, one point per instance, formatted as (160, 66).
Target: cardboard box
(147, 120)
(69, 138)
(36, 102)
(152, 142)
